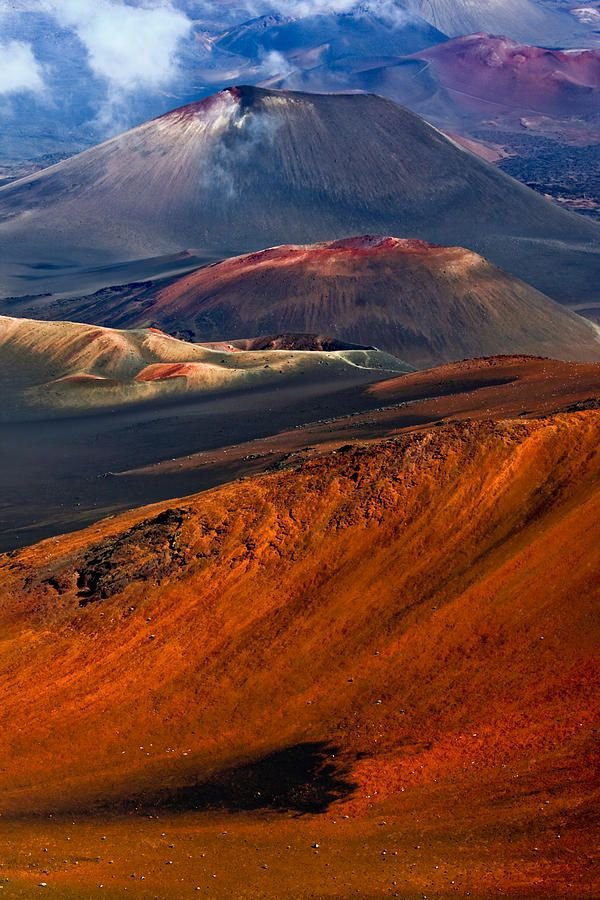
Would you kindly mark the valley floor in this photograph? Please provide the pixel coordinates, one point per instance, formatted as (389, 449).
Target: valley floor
(434, 844)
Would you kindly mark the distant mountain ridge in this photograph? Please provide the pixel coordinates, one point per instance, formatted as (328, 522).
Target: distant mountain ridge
(365, 29)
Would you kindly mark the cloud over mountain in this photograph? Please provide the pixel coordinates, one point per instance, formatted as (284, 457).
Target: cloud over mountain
(130, 47)
(20, 72)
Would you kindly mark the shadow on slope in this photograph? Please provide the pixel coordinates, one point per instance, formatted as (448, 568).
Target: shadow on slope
(302, 778)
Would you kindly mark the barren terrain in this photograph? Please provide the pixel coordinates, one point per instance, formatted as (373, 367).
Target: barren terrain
(376, 641)
(422, 303)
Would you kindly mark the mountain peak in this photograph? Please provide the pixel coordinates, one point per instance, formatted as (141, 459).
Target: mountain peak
(243, 97)
(252, 167)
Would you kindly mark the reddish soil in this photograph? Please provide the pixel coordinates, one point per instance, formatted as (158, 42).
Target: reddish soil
(423, 303)
(504, 386)
(159, 371)
(395, 642)
(197, 110)
(485, 69)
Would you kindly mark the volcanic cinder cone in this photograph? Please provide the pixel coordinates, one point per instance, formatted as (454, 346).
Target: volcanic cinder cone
(249, 168)
(481, 69)
(424, 303)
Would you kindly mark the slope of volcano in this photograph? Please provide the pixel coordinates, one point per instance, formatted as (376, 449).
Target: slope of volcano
(250, 168)
(379, 640)
(530, 21)
(49, 366)
(426, 304)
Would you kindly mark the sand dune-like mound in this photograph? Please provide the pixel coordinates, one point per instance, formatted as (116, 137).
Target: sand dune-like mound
(426, 304)
(66, 365)
(381, 629)
(250, 168)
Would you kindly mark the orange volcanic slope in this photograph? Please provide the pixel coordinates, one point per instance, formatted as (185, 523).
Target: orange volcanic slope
(498, 387)
(424, 606)
(423, 303)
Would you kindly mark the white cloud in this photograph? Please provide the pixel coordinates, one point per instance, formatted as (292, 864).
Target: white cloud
(274, 63)
(302, 8)
(20, 72)
(132, 48)
(222, 11)
(244, 132)
(397, 11)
